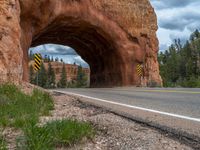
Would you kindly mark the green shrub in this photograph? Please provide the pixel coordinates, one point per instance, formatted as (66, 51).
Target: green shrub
(191, 82)
(54, 134)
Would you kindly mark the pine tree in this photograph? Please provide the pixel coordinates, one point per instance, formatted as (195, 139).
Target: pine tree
(195, 35)
(48, 58)
(52, 59)
(45, 58)
(63, 80)
(180, 65)
(178, 45)
(42, 77)
(81, 77)
(50, 76)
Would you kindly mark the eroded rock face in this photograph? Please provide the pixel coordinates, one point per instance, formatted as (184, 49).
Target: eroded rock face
(112, 36)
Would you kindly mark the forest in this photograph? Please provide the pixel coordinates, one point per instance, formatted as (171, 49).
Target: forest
(180, 64)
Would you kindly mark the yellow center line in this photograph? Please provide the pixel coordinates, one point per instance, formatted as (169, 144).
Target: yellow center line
(168, 91)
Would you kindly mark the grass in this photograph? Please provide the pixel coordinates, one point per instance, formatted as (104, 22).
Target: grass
(17, 108)
(2, 143)
(55, 134)
(22, 111)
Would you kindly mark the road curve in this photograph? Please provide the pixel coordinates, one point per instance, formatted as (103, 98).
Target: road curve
(180, 101)
(172, 109)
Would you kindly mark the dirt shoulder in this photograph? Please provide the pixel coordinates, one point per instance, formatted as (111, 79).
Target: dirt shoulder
(112, 131)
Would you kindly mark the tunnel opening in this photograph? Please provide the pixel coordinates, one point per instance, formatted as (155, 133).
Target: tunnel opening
(93, 44)
(61, 66)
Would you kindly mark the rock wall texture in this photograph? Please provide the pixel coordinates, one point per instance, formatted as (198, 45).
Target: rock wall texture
(113, 36)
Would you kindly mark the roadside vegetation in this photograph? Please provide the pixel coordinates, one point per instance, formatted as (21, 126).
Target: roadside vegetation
(54, 134)
(21, 111)
(180, 64)
(2, 143)
(17, 108)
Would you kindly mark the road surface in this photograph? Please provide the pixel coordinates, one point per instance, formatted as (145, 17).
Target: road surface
(179, 101)
(174, 110)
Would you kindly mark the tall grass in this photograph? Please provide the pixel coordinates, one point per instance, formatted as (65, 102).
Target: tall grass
(22, 111)
(54, 134)
(17, 108)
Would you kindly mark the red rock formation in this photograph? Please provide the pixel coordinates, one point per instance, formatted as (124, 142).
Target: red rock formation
(112, 36)
(71, 70)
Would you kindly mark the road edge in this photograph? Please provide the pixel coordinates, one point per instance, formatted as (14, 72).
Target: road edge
(190, 139)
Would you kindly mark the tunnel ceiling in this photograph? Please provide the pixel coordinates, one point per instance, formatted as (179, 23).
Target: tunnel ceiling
(93, 44)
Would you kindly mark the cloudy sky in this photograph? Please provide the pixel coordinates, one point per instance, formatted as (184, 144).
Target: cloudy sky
(68, 55)
(176, 19)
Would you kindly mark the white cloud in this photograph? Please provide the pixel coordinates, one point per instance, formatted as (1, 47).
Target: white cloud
(176, 19)
(66, 53)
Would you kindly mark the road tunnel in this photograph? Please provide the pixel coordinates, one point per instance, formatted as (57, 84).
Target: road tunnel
(111, 38)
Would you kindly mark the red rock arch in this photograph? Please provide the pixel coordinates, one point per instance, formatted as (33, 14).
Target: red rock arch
(110, 47)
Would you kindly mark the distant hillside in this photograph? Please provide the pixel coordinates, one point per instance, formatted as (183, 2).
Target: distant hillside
(72, 71)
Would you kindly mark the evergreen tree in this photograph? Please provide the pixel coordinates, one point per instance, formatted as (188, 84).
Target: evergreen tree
(42, 77)
(50, 76)
(56, 59)
(48, 58)
(178, 45)
(195, 35)
(172, 64)
(52, 59)
(63, 79)
(45, 58)
(180, 65)
(81, 77)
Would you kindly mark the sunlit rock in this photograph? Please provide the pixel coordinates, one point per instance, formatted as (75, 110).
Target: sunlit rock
(112, 36)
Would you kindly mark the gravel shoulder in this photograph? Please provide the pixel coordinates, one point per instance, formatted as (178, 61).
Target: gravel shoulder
(112, 131)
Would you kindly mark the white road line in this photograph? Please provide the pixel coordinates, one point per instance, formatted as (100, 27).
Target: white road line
(134, 107)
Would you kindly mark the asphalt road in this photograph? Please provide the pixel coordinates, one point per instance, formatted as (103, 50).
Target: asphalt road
(180, 101)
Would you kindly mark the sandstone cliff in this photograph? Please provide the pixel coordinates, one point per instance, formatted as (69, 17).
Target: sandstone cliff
(113, 36)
